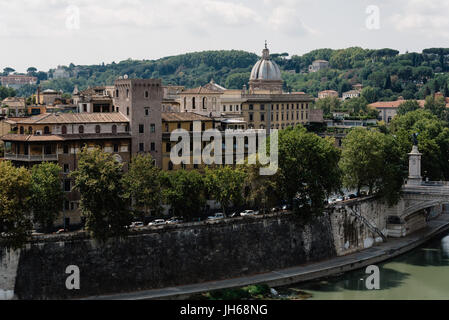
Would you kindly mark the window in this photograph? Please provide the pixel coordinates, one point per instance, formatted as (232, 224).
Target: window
(84, 107)
(66, 168)
(204, 103)
(170, 166)
(251, 117)
(147, 112)
(193, 103)
(81, 129)
(67, 185)
(152, 128)
(251, 107)
(64, 130)
(262, 117)
(203, 126)
(262, 107)
(115, 147)
(141, 147)
(153, 146)
(230, 108)
(166, 127)
(47, 130)
(66, 149)
(147, 94)
(224, 108)
(168, 147)
(127, 93)
(97, 129)
(116, 93)
(127, 111)
(179, 125)
(141, 128)
(114, 129)
(66, 205)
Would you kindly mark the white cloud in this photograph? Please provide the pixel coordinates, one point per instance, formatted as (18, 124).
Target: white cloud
(429, 18)
(288, 20)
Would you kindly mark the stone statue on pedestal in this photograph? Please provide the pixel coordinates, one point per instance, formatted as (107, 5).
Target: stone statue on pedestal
(415, 139)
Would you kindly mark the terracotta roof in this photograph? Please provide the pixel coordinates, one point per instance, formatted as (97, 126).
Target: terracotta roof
(393, 104)
(183, 116)
(328, 91)
(201, 90)
(60, 118)
(31, 138)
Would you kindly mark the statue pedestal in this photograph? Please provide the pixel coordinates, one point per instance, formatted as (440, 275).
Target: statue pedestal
(414, 167)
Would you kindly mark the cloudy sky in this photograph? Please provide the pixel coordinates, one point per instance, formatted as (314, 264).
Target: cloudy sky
(47, 33)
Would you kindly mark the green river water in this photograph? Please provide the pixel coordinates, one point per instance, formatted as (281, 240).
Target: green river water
(420, 274)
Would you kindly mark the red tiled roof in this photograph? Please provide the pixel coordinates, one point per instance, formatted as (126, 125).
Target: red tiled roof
(61, 118)
(183, 116)
(393, 104)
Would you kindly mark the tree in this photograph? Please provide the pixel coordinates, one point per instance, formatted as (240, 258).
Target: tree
(225, 185)
(372, 159)
(237, 80)
(408, 106)
(260, 191)
(99, 181)
(8, 70)
(47, 195)
(356, 105)
(308, 169)
(15, 192)
(437, 106)
(142, 184)
(31, 70)
(433, 141)
(370, 94)
(328, 105)
(184, 191)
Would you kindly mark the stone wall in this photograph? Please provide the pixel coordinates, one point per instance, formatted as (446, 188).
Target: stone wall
(350, 233)
(170, 256)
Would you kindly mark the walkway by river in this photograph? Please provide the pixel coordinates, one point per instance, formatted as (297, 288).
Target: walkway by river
(391, 249)
(420, 274)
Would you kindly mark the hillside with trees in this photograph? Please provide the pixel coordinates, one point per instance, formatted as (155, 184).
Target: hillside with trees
(385, 74)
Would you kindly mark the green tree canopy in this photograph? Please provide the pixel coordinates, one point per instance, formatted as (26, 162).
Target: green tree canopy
(15, 193)
(142, 184)
(185, 192)
(47, 195)
(308, 169)
(225, 185)
(99, 181)
(408, 106)
(372, 159)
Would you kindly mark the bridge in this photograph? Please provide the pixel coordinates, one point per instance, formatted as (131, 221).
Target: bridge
(420, 200)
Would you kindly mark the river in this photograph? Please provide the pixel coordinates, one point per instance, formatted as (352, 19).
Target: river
(420, 274)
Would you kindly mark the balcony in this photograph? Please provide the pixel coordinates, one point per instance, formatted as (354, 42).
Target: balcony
(31, 158)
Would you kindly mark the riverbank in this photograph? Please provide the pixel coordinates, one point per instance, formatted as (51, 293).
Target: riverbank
(382, 252)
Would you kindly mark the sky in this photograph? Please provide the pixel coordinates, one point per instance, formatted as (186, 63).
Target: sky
(48, 33)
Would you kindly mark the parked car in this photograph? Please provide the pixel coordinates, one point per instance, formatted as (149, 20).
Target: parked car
(249, 213)
(276, 209)
(352, 196)
(137, 224)
(157, 222)
(175, 220)
(235, 215)
(217, 216)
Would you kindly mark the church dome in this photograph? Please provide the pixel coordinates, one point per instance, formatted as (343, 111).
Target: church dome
(266, 69)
